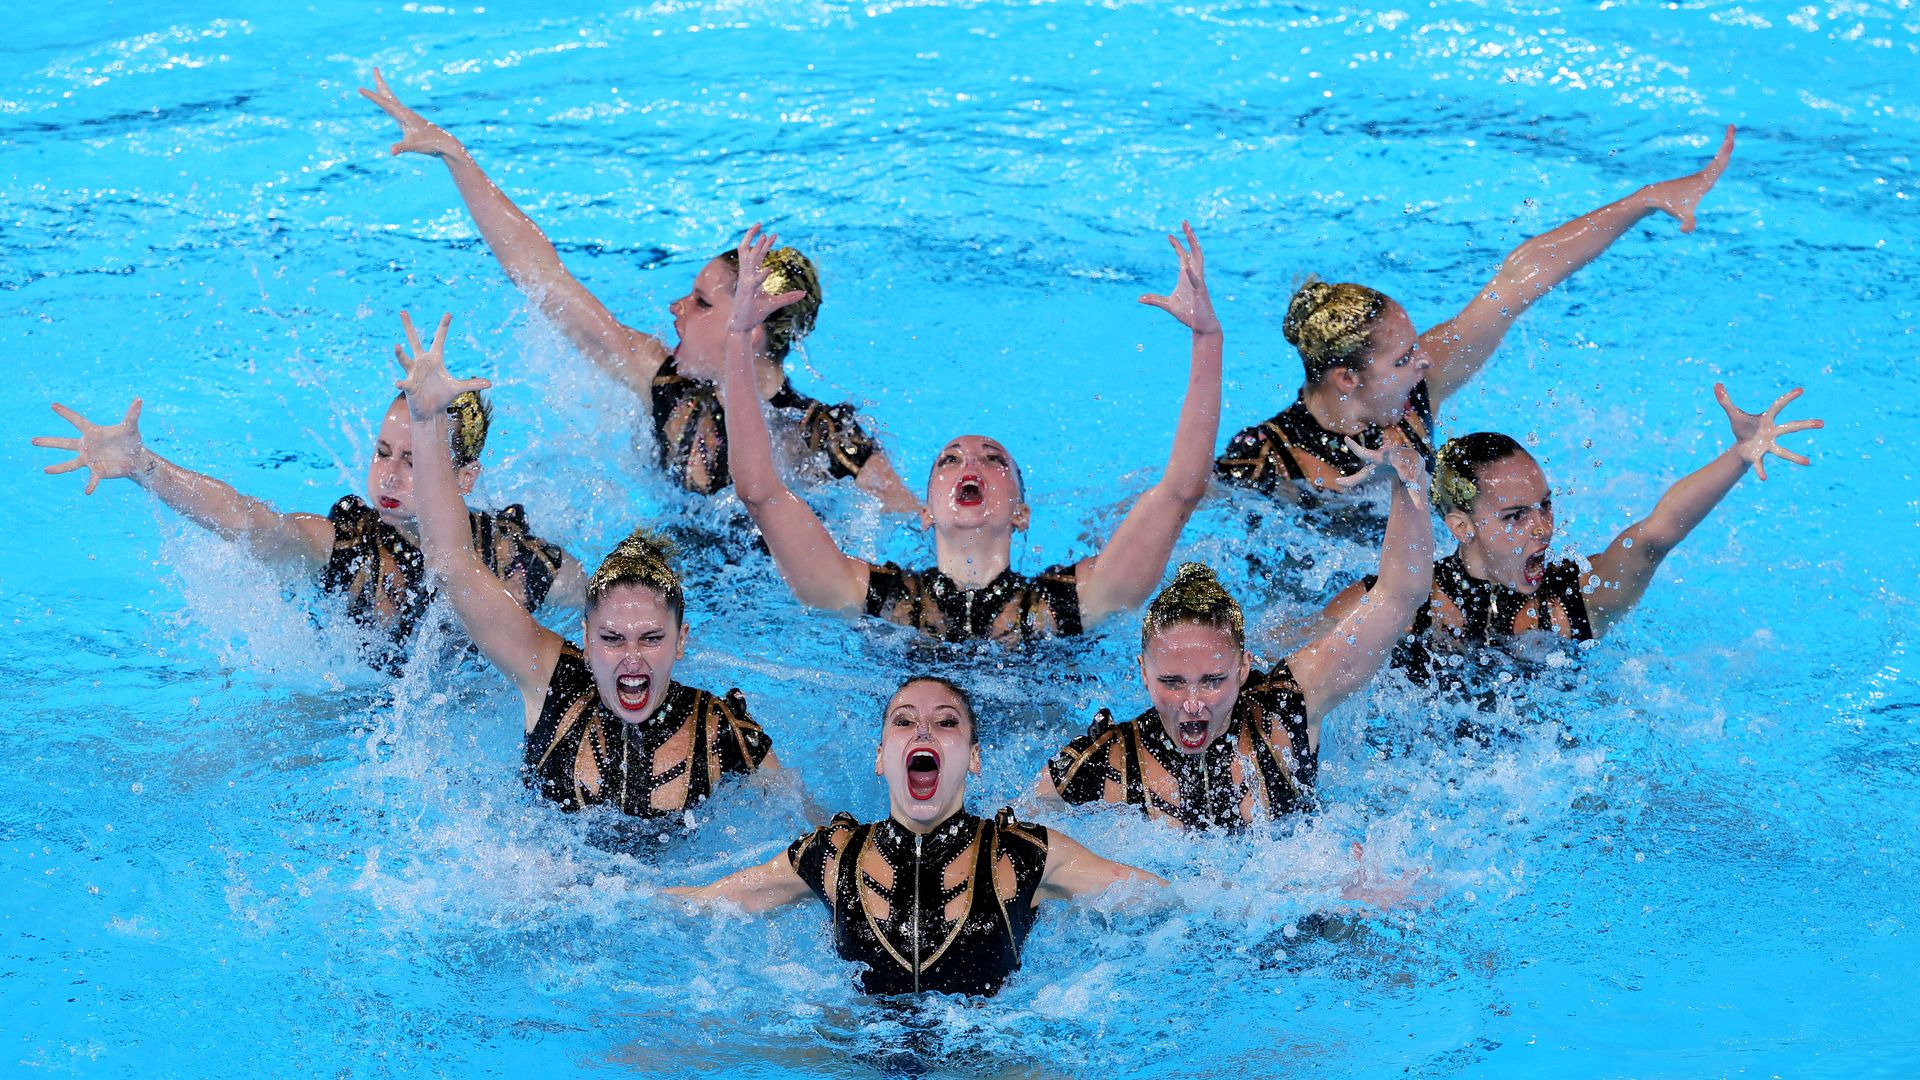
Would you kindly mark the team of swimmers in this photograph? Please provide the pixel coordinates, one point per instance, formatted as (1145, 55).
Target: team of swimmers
(931, 897)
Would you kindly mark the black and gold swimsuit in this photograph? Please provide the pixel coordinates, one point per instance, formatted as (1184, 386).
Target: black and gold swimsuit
(1010, 609)
(1294, 447)
(661, 766)
(946, 911)
(384, 575)
(1464, 611)
(690, 431)
(1137, 763)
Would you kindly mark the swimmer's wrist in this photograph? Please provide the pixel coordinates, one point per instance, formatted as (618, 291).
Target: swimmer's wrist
(145, 464)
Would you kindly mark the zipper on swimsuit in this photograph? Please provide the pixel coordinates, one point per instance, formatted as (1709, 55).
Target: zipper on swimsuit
(916, 912)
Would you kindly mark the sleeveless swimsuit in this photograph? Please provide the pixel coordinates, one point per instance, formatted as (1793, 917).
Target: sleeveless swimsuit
(720, 738)
(384, 575)
(1011, 609)
(900, 929)
(690, 431)
(1268, 732)
(1293, 446)
(1489, 613)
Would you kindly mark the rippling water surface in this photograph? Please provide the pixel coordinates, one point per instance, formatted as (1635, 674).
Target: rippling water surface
(227, 847)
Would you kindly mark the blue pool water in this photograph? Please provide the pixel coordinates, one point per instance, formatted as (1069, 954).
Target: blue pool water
(226, 847)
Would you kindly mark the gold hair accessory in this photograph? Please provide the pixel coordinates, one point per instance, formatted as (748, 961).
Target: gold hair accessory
(1195, 595)
(1456, 492)
(471, 417)
(641, 559)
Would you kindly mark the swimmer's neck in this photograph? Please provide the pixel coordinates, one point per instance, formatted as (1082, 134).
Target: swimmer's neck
(1334, 411)
(973, 557)
(768, 374)
(1474, 562)
(922, 828)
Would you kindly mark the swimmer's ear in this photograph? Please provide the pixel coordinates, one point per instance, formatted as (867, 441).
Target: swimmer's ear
(1460, 525)
(467, 476)
(1344, 379)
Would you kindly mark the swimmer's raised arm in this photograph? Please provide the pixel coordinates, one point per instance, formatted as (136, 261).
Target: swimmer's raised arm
(759, 888)
(1622, 573)
(1345, 658)
(510, 637)
(815, 568)
(1124, 573)
(116, 451)
(1072, 870)
(527, 255)
(1459, 347)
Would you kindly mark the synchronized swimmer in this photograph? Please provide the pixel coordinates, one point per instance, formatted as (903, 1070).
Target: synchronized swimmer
(1368, 370)
(931, 897)
(369, 550)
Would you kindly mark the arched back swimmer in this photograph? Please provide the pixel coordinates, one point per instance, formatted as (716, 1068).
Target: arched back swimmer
(1223, 744)
(368, 550)
(605, 722)
(930, 897)
(976, 501)
(1499, 582)
(678, 385)
(1368, 370)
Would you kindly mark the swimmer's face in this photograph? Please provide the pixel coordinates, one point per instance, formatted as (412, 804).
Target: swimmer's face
(700, 322)
(926, 752)
(1395, 365)
(974, 484)
(1193, 674)
(390, 474)
(632, 640)
(1510, 526)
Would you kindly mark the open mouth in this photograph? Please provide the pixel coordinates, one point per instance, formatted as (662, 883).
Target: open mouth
(1192, 733)
(969, 491)
(387, 503)
(634, 691)
(1535, 570)
(923, 774)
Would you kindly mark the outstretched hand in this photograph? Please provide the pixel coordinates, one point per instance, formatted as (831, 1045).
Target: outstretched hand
(1681, 196)
(428, 385)
(1190, 302)
(1397, 454)
(418, 135)
(107, 452)
(1757, 435)
(1384, 895)
(751, 302)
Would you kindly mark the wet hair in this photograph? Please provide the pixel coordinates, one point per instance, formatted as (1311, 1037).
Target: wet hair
(643, 558)
(954, 688)
(787, 270)
(468, 418)
(1458, 468)
(1332, 325)
(1195, 596)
